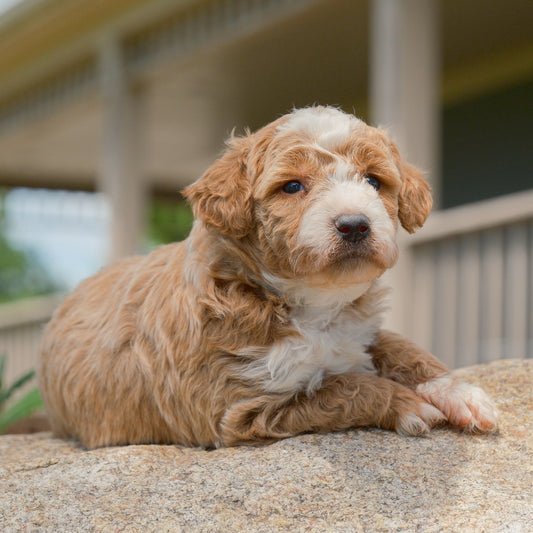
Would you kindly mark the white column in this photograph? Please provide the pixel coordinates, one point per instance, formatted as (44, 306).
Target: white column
(404, 97)
(122, 176)
(404, 78)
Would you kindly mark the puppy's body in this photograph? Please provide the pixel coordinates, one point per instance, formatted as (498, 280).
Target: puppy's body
(265, 322)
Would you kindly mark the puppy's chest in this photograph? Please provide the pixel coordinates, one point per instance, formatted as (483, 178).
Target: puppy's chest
(336, 341)
(329, 341)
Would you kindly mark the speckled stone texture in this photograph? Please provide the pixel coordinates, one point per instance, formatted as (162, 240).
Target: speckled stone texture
(361, 480)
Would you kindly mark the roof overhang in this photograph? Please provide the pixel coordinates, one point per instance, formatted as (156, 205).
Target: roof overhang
(206, 67)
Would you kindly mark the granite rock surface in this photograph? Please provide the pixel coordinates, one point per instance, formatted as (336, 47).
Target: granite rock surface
(360, 480)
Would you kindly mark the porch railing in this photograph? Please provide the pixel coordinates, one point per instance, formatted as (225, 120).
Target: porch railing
(21, 325)
(470, 281)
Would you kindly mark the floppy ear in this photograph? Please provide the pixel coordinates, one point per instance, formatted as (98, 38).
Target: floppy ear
(222, 197)
(415, 201)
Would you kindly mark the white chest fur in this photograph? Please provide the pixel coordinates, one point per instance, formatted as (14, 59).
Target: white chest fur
(331, 339)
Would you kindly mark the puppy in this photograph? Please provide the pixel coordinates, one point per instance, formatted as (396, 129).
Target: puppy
(265, 322)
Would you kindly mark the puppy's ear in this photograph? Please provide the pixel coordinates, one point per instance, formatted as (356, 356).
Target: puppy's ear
(415, 201)
(222, 197)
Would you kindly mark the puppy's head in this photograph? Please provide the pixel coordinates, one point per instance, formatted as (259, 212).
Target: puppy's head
(316, 197)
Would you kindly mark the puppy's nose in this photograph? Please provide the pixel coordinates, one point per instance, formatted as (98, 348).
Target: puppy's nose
(352, 228)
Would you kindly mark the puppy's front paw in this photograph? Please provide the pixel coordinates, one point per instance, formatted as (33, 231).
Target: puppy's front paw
(419, 421)
(464, 405)
(412, 415)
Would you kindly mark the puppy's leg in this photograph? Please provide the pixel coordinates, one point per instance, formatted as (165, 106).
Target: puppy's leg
(403, 361)
(464, 405)
(343, 401)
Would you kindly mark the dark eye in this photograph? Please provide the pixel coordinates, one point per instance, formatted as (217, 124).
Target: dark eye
(373, 181)
(292, 187)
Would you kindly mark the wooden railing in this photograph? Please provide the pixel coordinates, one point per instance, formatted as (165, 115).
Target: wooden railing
(469, 281)
(21, 325)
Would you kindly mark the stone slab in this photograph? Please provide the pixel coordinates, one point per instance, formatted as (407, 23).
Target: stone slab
(360, 480)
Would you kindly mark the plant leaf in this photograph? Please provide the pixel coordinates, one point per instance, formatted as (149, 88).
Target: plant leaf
(2, 367)
(5, 395)
(21, 408)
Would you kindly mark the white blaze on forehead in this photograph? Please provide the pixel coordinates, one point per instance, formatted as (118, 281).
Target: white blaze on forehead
(327, 126)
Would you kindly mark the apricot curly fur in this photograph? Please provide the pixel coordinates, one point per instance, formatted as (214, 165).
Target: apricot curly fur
(266, 322)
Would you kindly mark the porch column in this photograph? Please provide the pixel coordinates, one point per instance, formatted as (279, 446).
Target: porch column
(404, 97)
(121, 175)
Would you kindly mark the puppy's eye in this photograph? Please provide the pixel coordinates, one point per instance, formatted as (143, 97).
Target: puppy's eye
(292, 187)
(373, 181)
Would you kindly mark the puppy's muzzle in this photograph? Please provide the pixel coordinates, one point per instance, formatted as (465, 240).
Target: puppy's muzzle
(352, 228)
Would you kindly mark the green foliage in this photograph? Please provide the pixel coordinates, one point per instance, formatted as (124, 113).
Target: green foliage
(24, 406)
(21, 275)
(169, 221)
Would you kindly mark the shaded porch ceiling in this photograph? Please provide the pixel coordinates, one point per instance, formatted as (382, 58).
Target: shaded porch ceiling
(193, 101)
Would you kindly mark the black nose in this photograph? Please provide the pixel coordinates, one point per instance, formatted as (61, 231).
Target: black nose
(352, 228)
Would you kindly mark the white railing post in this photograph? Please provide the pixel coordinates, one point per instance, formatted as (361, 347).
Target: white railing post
(515, 324)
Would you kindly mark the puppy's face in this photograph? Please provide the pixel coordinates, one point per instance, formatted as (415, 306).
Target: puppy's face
(316, 196)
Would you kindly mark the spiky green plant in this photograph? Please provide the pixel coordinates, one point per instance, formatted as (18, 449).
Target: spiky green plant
(24, 406)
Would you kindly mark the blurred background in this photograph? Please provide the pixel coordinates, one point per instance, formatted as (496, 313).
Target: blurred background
(109, 108)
